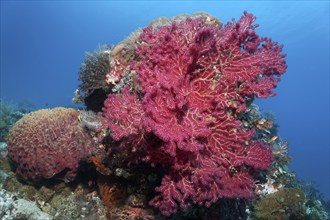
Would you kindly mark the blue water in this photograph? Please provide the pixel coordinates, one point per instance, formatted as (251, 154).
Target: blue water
(43, 44)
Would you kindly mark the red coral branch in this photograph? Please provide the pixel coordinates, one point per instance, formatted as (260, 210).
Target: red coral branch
(124, 117)
(196, 77)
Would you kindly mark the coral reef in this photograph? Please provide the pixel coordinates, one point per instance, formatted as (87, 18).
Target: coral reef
(81, 203)
(316, 206)
(14, 208)
(131, 213)
(284, 204)
(120, 60)
(277, 176)
(49, 143)
(170, 131)
(195, 77)
(316, 210)
(52, 198)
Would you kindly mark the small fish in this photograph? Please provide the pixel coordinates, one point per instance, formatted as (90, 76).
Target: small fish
(262, 121)
(276, 152)
(272, 139)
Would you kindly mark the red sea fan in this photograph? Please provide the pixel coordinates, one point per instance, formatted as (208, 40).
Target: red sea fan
(126, 114)
(196, 77)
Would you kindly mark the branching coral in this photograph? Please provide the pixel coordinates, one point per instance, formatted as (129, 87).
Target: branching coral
(112, 192)
(195, 77)
(93, 88)
(93, 70)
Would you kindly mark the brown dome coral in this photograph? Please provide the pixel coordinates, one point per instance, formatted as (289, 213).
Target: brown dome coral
(48, 143)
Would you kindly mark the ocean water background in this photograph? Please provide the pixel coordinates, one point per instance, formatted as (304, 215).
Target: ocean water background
(43, 45)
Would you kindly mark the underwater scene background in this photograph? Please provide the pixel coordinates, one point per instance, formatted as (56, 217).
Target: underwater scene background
(138, 154)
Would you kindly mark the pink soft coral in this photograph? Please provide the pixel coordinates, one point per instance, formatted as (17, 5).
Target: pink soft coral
(196, 77)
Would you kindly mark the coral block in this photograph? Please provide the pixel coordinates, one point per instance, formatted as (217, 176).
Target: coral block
(196, 76)
(49, 143)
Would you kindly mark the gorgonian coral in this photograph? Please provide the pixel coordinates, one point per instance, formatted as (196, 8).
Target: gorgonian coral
(49, 143)
(195, 77)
